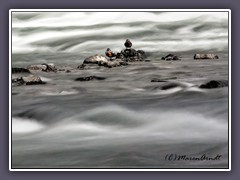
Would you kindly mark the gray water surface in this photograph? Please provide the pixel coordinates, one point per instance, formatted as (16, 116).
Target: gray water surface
(124, 121)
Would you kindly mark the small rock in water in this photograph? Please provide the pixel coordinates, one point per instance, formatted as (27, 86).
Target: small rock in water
(95, 59)
(170, 57)
(89, 78)
(17, 81)
(214, 84)
(100, 60)
(169, 86)
(28, 80)
(163, 80)
(61, 69)
(42, 67)
(20, 70)
(206, 56)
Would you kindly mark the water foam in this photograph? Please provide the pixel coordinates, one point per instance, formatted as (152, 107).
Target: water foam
(20, 125)
(114, 122)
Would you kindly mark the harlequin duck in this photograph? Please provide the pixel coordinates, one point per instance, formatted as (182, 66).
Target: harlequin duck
(110, 54)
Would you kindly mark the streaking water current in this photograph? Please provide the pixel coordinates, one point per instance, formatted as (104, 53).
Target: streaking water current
(124, 121)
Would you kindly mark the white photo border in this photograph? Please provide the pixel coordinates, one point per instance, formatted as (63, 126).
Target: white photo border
(119, 10)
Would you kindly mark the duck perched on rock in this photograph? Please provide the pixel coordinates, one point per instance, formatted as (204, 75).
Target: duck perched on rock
(130, 54)
(128, 44)
(116, 59)
(110, 54)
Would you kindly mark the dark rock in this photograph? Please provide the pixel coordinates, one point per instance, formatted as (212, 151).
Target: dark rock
(68, 71)
(158, 80)
(61, 69)
(206, 56)
(119, 56)
(163, 80)
(170, 57)
(214, 84)
(17, 81)
(29, 80)
(20, 70)
(50, 67)
(81, 66)
(127, 53)
(132, 55)
(169, 86)
(141, 54)
(89, 78)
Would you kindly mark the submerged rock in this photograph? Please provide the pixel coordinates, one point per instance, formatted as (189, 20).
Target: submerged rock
(163, 80)
(42, 67)
(20, 70)
(206, 56)
(89, 78)
(28, 80)
(214, 84)
(170, 57)
(169, 86)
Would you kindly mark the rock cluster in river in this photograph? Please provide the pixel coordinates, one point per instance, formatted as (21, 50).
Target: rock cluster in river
(122, 58)
(27, 80)
(115, 59)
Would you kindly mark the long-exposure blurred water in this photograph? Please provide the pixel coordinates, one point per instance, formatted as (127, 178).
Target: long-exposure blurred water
(124, 121)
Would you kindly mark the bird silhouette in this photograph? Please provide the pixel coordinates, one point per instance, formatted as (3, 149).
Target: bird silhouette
(110, 54)
(128, 44)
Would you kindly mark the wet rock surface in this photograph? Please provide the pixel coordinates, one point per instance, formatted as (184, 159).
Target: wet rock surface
(95, 59)
(206, 56)
(99, 60)
(42, 67)
(214, 84)
(171, 57)
(132, 55)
